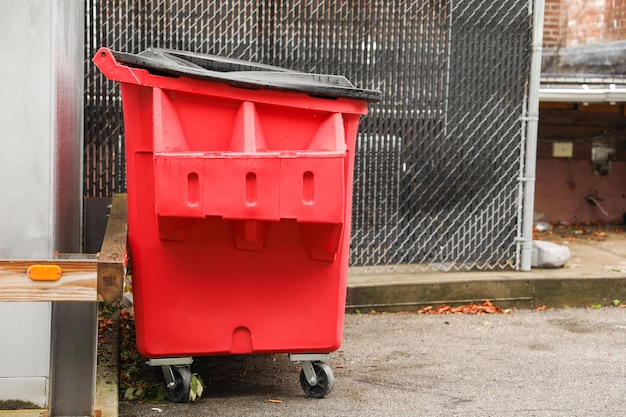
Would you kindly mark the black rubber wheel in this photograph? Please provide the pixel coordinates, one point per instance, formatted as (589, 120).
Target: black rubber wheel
(325, 381)
(180, 392)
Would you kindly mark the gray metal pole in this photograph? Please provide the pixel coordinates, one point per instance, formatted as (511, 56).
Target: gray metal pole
(74, 332)
(73, 358)
(532, 117)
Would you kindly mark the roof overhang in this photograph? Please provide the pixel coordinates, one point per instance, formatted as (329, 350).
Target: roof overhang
(582, 89)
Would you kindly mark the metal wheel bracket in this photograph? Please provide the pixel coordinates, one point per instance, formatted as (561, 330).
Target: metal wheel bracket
(166, 365)
(168, 374)
(307, 360)
(312, 357)
(309, 372)
(170, 361)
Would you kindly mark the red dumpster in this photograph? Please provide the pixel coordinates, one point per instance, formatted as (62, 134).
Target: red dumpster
(239, 202)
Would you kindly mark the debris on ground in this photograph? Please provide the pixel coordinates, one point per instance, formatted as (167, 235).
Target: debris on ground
(17, 405)
(549, 254)
(485, 308)
(563, 232)
(137, 381)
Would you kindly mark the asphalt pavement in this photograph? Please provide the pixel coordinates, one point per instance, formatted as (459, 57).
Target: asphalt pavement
(561, 362)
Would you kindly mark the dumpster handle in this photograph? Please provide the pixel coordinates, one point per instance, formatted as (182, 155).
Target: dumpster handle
(112, 70)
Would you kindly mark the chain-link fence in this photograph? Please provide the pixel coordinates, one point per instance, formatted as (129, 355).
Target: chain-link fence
(439, 159)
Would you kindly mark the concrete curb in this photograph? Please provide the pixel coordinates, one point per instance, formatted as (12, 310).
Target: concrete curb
(595, 274)
(512, 290)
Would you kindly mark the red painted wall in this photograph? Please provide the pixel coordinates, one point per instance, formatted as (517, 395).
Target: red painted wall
(563, 185)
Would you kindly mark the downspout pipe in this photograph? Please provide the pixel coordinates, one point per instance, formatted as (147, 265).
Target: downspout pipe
(532, 118)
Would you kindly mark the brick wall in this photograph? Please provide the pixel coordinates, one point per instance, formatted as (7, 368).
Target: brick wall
(583, 22)
(554, 23)
(615, 18)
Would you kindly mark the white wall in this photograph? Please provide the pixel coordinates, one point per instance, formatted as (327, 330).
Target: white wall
(39, 148)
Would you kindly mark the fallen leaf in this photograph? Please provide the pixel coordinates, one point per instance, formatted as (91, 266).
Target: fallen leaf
(486, 308)
(274, 401)
(425, 310)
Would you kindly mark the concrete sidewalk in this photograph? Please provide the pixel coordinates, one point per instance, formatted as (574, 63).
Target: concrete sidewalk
(595, 274)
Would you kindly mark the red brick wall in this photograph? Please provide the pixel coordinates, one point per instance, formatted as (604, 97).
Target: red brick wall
(615, 20)
(583, 22)
(554, 24)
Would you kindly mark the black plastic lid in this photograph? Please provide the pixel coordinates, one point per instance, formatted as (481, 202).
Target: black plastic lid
(244, 74)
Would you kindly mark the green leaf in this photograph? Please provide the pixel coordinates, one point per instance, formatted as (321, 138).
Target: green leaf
(160, 394)
(596, 306)
(200, 389)
(616, 302)
(128, 394)
(196, 387)
(193, 384)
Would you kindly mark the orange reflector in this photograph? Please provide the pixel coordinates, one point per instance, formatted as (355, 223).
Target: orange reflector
(44, 272)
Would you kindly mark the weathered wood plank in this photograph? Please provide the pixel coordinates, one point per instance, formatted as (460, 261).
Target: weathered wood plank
(77, 283)
(112, 255)
(100, 279)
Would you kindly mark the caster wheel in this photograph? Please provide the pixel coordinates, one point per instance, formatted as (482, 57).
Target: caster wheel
(325, 381)
(178, 391)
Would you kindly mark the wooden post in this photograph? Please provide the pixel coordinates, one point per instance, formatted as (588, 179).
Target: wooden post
(112, 258)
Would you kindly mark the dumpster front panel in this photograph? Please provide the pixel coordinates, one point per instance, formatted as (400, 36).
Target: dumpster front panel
(203, 295)
(212, 285)
(239, 215)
